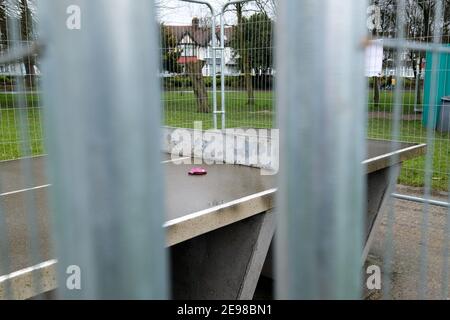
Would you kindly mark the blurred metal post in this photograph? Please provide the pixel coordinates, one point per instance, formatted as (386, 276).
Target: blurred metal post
(213, 53)
(222, 62)
(321, 97)
(102, 109)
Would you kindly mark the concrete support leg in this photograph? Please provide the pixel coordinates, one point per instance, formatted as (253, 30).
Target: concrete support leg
(378, 193)
(223, 264)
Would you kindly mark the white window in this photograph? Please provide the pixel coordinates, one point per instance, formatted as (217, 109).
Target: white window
(189, 50)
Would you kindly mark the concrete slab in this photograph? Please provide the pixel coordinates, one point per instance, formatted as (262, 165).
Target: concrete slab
(195, 205)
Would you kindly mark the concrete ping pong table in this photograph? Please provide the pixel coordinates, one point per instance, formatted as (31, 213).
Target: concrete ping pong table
(219, 227)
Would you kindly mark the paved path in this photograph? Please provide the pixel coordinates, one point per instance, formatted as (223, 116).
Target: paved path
(23, 201)
(407, 232)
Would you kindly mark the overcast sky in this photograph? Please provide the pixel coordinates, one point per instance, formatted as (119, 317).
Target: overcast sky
(177, 12)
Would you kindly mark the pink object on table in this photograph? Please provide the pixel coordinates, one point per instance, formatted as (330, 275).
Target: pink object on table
(197, 172)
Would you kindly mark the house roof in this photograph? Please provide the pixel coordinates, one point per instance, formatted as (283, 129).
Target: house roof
(184, 60)
(200, 35)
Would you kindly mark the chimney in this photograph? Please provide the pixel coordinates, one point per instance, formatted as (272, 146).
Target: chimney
(195, 23)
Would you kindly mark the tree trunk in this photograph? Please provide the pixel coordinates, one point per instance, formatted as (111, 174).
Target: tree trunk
(194, 70)
(3, 26)
(417, 69)
(30, 72)
(419, 91)
(376, 90)
(376, 84)
(249, 83)
(426, 22)
(26, 24)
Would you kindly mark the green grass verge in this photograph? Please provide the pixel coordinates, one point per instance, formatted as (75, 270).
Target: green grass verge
(387, 101)
(412, 173)
(181, 110)
(12, 143)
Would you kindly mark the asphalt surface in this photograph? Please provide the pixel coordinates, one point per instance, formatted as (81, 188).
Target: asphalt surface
(19, 207)
(408, 230)
(25, 204)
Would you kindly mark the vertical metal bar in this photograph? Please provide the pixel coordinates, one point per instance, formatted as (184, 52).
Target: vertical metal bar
(214, 60)
(393, 175)
(222, 63)
(222, 67)
(446, 255)
(416, 88)
(102, 99)
(437, 32)
(321, 100)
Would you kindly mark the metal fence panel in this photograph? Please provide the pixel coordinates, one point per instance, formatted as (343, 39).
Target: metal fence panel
(321, 192)
(103, 141)
(102, 109)
(404, 105)
(245, 75)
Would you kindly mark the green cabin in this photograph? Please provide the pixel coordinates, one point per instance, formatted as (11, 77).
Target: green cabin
(442, 85)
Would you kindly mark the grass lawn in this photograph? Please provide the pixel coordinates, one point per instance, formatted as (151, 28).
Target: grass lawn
(181, 111)
(412, 173)
(181, 108)
(11, 142)
(387, 101)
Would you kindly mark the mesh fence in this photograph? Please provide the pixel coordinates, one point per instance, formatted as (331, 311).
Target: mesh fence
(248, 69)
(413, 73)
(250, 73)
(405, 101)
(406, 104)
(186, 74)
(19, 85)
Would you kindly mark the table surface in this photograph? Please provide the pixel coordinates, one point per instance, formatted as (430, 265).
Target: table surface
(192, 202)
(188, 194)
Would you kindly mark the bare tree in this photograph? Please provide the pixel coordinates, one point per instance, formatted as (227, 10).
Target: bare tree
(27, 36)
(269, 7)
(194, 69)
(3, 24)
(419, 26)
(164, 6)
